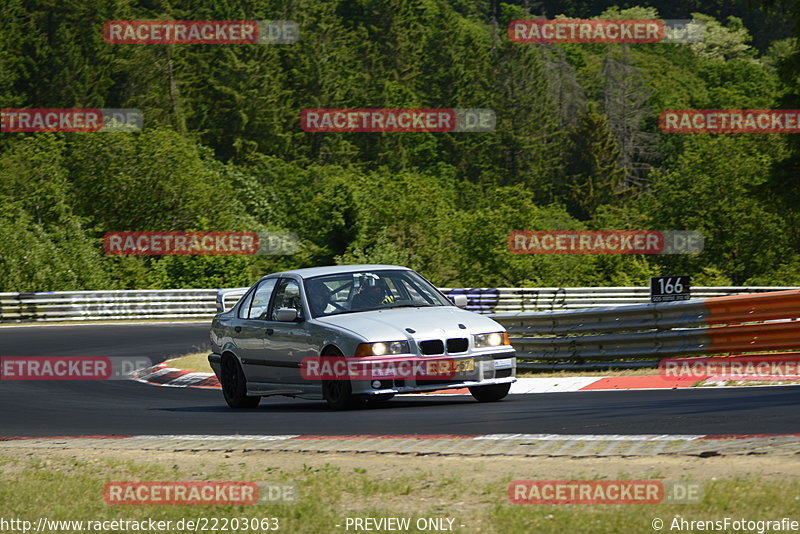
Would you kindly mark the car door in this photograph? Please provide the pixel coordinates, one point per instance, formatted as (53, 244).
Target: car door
(250, 331)
(287, 343)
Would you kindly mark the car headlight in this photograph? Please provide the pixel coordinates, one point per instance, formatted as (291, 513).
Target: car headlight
(382, 348)
(493, 339)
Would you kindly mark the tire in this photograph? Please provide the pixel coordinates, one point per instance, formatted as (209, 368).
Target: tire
(339, 393)
(234, 384)
(492, 393)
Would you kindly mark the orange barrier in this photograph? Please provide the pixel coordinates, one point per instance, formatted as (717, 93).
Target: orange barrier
(717, 325)
(764, 336)
(751, 308)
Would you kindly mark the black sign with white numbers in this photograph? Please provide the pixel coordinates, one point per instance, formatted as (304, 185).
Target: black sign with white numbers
(669, 288)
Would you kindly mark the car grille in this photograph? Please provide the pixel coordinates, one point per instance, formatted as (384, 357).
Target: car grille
(436, 346)
(502, 373)
(457, 344)
(432, 346)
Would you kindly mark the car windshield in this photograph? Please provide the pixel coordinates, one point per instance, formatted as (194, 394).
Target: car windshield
(370, 290)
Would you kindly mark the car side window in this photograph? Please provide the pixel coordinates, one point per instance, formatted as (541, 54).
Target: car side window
(286, 296)
(261, 296)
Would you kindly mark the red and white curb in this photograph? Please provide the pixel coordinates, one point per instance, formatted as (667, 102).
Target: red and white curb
(553, 445)
(164, 375)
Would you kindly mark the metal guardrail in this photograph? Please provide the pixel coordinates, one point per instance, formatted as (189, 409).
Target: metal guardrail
(506, 299)
(98, 305)
(551, 328)
(204, 303)
(731, 324)
(226, 298)
(514, 299)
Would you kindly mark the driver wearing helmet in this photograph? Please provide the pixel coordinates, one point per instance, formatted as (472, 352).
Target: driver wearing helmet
(318, 297)
(373, 295)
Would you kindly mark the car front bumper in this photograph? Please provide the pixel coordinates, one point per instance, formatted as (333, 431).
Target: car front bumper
(490, 368)
(493, 368)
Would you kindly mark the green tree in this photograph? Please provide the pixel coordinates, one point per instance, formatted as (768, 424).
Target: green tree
(593, 175)
(714, 190)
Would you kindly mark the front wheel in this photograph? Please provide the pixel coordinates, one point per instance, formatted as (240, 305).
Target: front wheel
(234, 385)
(339, 393)
(492, 393)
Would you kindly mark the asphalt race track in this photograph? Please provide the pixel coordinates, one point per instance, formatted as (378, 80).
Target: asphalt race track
(74, 408)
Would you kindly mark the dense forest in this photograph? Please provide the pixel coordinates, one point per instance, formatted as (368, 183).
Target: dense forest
(576, 146)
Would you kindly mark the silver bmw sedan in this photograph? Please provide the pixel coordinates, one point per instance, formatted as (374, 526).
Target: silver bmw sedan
(353, 334)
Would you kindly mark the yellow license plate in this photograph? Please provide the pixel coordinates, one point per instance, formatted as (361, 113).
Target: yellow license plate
(449, 367)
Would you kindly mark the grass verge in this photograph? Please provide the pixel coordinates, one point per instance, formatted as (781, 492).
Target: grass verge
(64, 486)
(196, 362)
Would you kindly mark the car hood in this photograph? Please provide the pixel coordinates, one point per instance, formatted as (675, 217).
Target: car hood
(426, 323)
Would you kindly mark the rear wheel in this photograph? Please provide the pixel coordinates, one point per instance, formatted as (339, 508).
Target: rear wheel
(492, 393)
(339, 393)
(234, 384)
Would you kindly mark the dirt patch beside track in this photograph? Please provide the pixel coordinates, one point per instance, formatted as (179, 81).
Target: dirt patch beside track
(480, 470)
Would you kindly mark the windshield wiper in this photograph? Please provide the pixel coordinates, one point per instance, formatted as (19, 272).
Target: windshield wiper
(354, 311)
(412, 306)
(381, 308)
(342, 312)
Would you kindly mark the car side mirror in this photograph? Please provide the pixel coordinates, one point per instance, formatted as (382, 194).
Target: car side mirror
(286, 315)
(459, 301)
